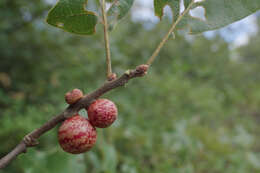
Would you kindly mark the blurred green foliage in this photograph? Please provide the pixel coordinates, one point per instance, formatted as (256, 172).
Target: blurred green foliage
(197, 110)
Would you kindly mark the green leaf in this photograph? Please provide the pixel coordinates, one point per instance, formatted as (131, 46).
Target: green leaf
(160, 4)
(219, 13)
(118, 10)
(71, 16)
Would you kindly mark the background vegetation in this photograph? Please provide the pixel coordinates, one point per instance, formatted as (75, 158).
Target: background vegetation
(197, 110)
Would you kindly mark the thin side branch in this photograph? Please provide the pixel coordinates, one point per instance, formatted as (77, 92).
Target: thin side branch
(30, 140)
(166, 37)
(106, 38)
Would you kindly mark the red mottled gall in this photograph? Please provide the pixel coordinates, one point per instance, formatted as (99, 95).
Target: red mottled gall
(102, 113)
(76, 135)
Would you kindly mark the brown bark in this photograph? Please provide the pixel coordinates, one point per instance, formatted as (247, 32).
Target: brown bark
(30, 139)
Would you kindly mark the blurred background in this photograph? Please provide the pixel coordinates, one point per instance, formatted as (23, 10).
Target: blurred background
(198, 110)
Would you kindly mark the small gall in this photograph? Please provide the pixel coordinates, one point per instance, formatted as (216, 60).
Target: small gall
(111, 77)
(142, 69)
(73, 96)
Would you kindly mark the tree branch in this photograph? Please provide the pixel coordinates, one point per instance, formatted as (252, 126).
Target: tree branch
(166, 37)
(106, 38)
(30, 139)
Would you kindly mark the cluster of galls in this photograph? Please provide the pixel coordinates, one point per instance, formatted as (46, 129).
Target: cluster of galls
(78, 134)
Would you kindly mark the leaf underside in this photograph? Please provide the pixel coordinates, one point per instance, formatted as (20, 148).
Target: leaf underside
(160, 4)
(218, 13)
(71, 16)
(118, 10)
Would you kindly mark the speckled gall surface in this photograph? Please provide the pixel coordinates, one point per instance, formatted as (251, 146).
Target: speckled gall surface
(102, 113)
(76, 135)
